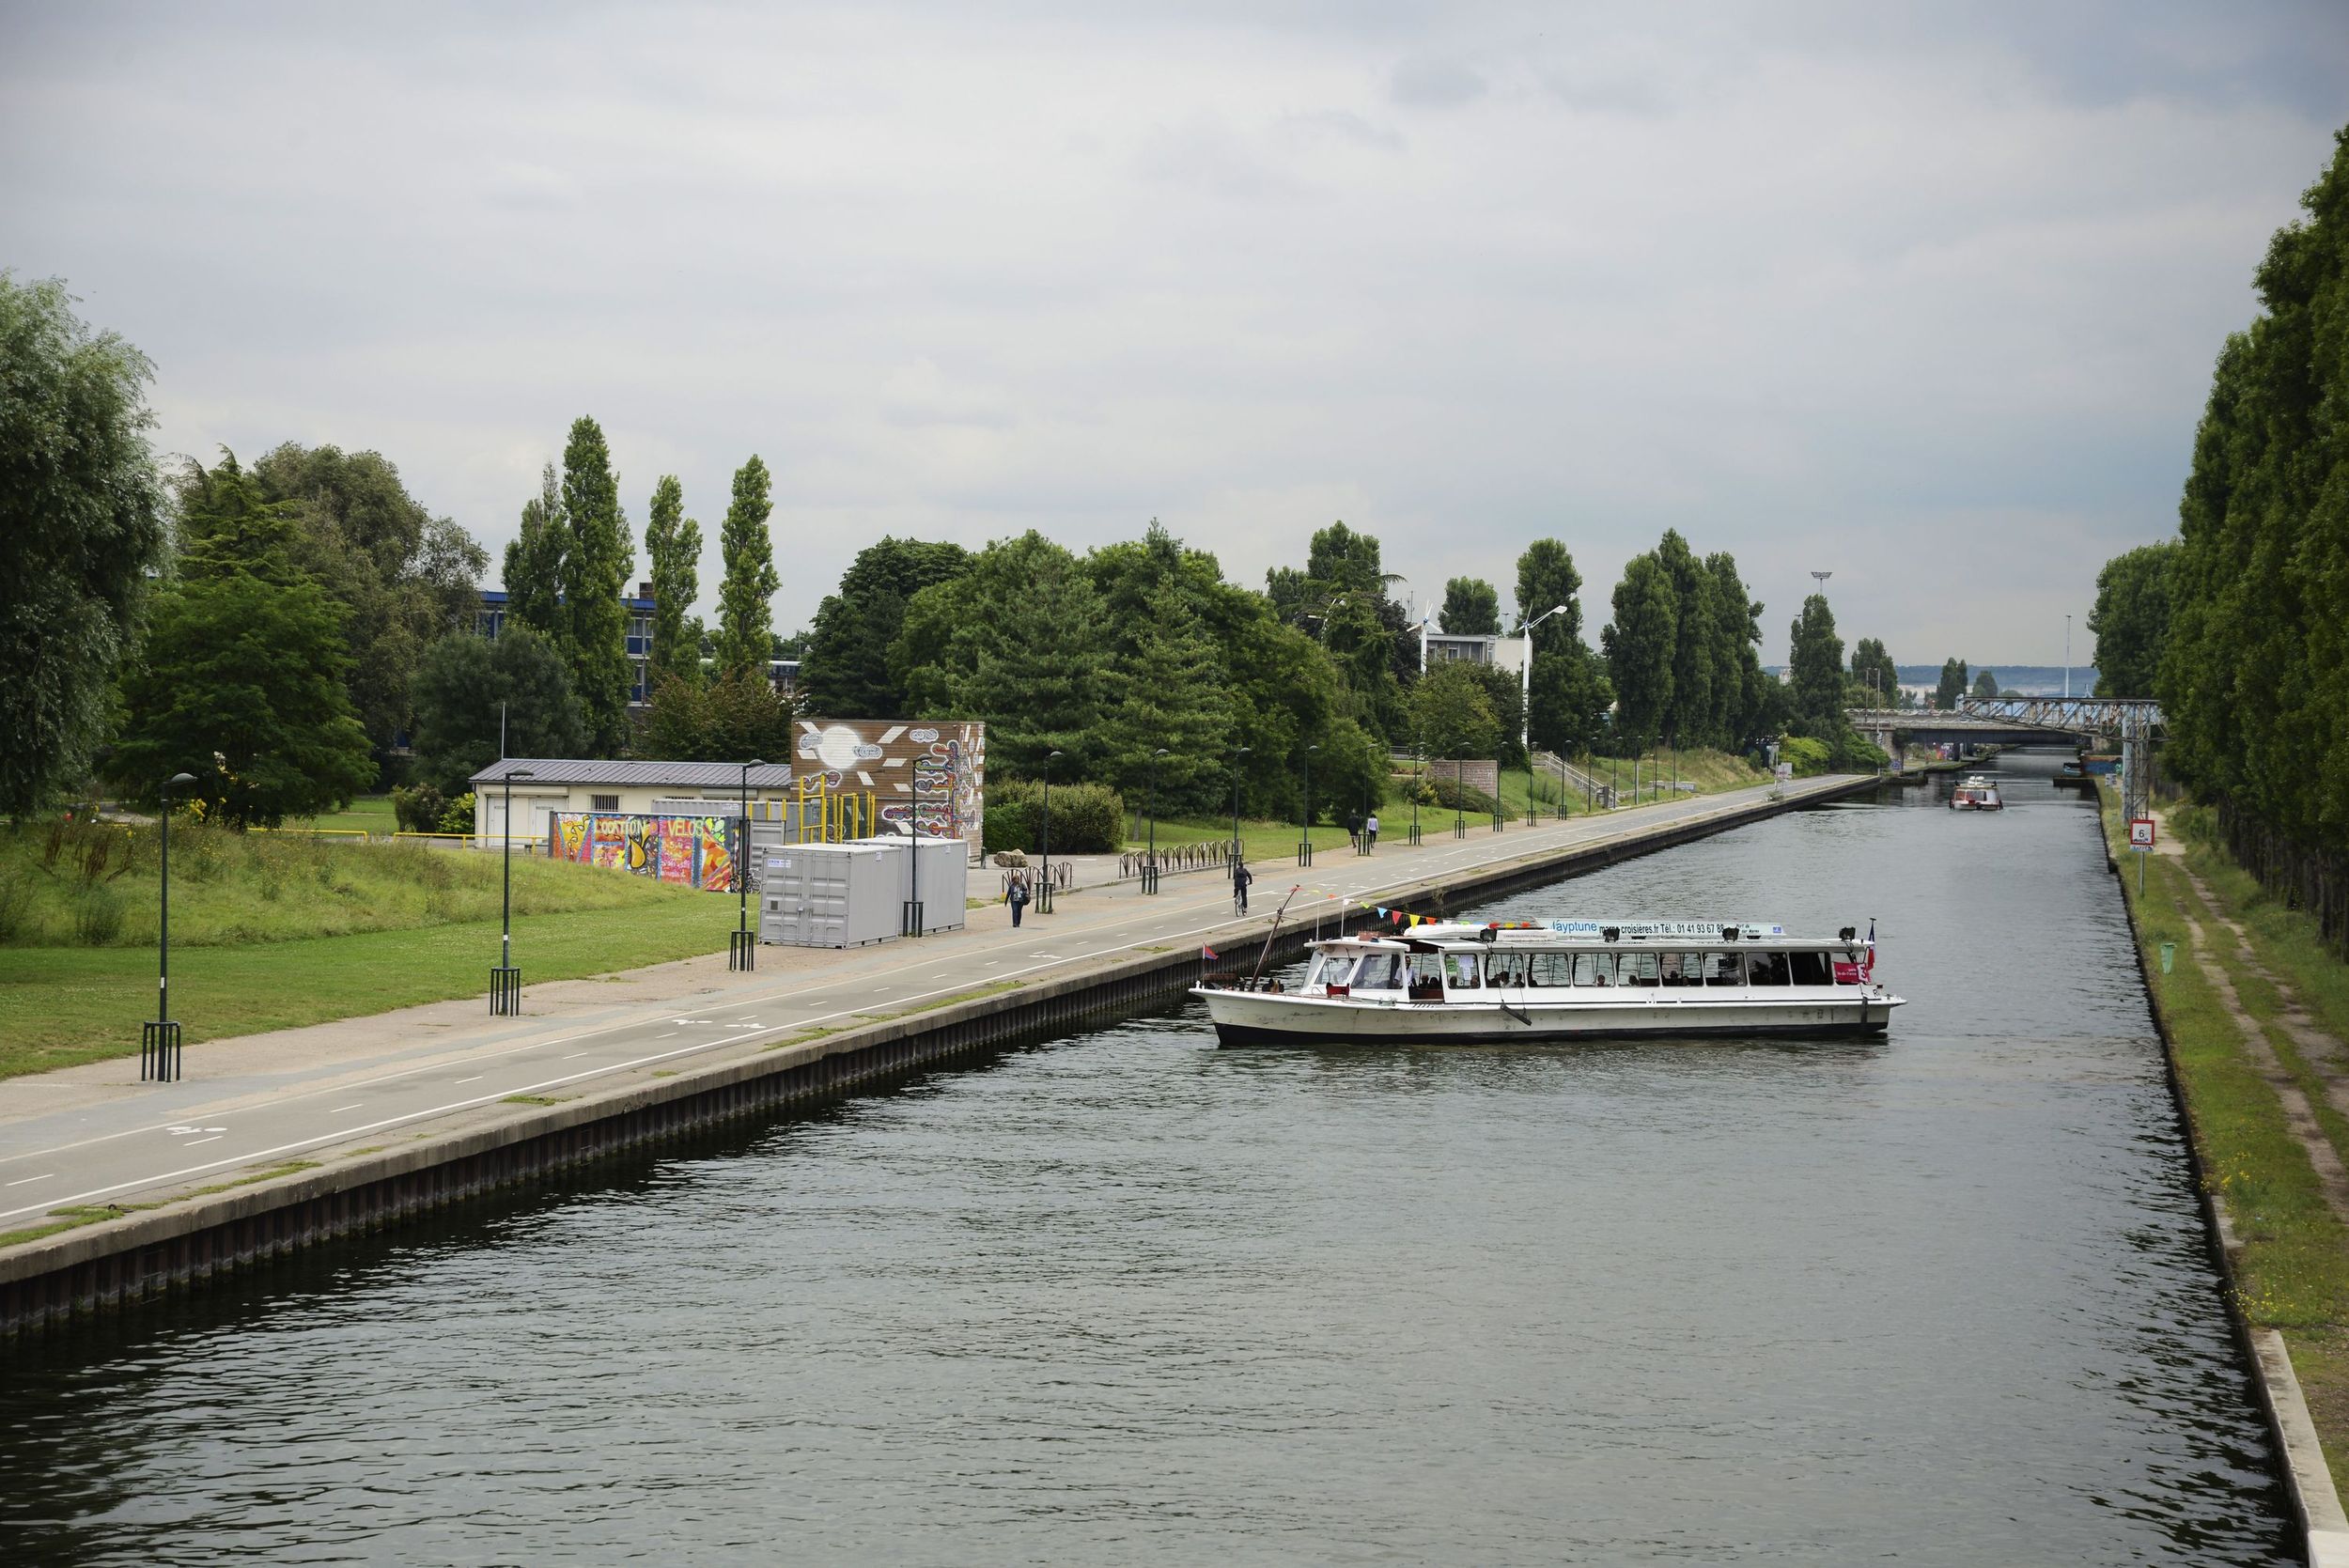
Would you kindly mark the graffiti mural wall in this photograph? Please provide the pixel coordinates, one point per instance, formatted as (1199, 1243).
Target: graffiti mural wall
(691, 851)
(940, 763)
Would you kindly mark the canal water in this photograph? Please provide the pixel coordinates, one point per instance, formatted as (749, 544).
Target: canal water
(1127, 1298)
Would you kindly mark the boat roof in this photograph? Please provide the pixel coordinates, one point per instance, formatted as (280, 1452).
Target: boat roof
(1588, 933)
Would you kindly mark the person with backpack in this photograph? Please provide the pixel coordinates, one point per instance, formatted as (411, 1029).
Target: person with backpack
(1241, 876)
(1017, 898)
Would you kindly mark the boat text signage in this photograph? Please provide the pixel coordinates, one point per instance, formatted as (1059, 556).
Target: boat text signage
(1675, 930)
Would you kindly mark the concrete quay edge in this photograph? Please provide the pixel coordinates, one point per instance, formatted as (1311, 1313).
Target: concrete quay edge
(2315, 1501)
(1124, 981)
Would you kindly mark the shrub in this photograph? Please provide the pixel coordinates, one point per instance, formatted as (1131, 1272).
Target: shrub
(1087, 819)
(98, 915)
(1005, 828)
(458, 816)
(1445, 790)
(418, 807)
(1805, 755)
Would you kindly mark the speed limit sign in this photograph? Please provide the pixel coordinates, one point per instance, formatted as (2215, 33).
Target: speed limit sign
(2141, 832)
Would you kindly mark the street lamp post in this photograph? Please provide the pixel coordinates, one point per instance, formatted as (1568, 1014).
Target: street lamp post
(505, 981)
(1150, 865)
(1238, 753)
(913, 922)
(1305, 839)
(159, 1044)
(1044, 887)
(742, 947)
(1416, 750)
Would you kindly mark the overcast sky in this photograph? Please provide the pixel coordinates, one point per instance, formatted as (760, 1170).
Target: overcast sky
(1927, 300)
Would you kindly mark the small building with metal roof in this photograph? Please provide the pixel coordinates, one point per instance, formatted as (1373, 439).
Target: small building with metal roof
(628, 786)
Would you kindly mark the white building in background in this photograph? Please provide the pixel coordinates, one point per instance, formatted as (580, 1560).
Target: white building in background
(1503, 653)
(573, 784)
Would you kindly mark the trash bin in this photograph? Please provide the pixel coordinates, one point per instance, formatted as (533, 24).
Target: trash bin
(2168, 950)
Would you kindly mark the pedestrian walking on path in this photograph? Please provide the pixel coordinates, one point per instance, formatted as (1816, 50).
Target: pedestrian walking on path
(1018, 898)
(1241, 876)
(1370, 832)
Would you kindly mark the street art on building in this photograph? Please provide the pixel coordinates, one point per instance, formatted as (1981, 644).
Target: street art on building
(943, 766)
(691, 851)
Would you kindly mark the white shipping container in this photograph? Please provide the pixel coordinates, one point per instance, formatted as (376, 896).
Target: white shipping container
(828, 896)
(946, 880)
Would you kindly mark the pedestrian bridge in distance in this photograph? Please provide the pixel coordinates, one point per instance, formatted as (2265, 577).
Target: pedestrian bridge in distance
(2013, 721)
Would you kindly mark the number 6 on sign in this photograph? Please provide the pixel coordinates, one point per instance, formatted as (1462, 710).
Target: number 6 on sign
(2141, 832)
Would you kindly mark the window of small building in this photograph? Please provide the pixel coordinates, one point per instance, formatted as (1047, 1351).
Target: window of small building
(604, 802)
(1765, 969)
(1810, 969)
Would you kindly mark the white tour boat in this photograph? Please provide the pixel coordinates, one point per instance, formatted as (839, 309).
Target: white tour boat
(1976, 793)
(1562, 980)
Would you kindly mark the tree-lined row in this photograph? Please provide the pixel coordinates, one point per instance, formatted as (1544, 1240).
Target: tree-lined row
(2242, 622)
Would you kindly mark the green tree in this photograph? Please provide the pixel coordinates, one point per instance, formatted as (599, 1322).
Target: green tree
(1951, 686)
(1035, 674)
(599, 555)
(1472, 606)
(736, 718)
(403, 577)
(673, 546)
(1985, 684)
(2131, 619)
(81, 528)
(1452, 713)
(1873, 669)
(534, 565)
(1570, 692)
(1689, 719)
(1169, 691)
(746, 596)
(847, 670)
(241, 680)
(1640, 644)
(466, 688)
(1815, 670)
(1342, 594)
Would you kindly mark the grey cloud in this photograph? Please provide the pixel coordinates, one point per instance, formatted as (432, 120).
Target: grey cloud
(1432, 84)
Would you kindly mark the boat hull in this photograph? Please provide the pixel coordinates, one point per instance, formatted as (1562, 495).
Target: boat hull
(1274, 1018)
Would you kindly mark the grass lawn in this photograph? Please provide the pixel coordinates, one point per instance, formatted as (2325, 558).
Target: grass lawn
(369, 812)
(2292, 1271)
(61, 1005)
(98, 885)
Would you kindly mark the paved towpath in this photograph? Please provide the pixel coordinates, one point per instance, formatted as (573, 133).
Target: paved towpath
(95, 1135)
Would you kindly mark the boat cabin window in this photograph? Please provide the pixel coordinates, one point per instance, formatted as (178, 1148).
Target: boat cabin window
(1765, 969)
(1381, 971)
(1314, 972)
(1506, 968)
(1464, 976)
(1724, 969)
(1638, 969)
(1684, 968)
(1593, 968)
(1553, 968)
(1809, 968)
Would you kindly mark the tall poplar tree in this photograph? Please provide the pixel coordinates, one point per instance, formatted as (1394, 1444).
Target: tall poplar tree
(534, 565)
(1689, 719)
(1815, 668)
(673, 544)
(596, 561)
(746, 631)
(1569, 690)
(1640, 644)
(1472, 606)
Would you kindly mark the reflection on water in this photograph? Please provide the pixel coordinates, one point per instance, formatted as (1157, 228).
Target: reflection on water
(1125, 1297)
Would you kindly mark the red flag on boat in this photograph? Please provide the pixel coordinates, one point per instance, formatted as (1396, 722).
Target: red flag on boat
(1205, 952)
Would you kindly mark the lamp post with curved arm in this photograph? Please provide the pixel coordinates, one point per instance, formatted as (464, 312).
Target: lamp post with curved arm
(1044, 886)
(1150, 864)
(1237, 856)
(1305, 838)
(159, 1046)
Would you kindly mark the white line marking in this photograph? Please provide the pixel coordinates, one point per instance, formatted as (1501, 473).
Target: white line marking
(475, 1079)
(577, 1055)
(194, 1141)
(27, 1181)
(340, 1109)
